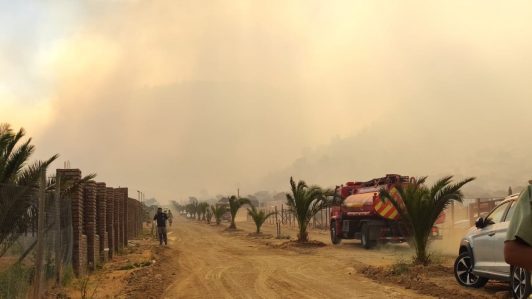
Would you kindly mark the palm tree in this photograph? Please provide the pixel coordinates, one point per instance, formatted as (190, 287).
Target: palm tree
(234, 205)
(305, 202)
(259, 217)
(420, 206)
(202, 210)
(208, 215)
(218, 212)
(191, 209)
(18, 182)
(13, 159)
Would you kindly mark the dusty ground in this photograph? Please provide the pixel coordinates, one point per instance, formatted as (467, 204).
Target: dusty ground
(215, 263)
(208, 261)
(143, 270)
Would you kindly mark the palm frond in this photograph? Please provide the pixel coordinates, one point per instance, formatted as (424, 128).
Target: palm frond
(305, 202)
(420, 207)
(259, 217)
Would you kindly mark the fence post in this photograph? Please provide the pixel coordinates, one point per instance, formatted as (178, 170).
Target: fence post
(326, 218)
(289, 217)
(40, 236)
(58, 256)
(321, 219)
(277, 223)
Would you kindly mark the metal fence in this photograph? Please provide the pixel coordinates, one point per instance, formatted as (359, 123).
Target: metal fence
(285, 217)
(36, 239)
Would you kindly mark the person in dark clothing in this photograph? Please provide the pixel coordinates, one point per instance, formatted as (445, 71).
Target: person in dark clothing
(161, 218)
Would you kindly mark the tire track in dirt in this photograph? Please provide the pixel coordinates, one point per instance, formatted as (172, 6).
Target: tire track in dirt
(216, 264)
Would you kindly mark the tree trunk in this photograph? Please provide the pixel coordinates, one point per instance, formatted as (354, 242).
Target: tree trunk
(421, 250)
(302, 237)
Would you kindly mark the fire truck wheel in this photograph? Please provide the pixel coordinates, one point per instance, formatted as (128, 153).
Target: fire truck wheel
(364, 238)
(334, 237)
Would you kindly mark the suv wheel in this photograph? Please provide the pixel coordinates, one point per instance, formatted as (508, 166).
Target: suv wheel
(463, 272)
(520, 283)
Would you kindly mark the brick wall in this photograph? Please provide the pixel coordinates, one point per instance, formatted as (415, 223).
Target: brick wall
(118, 219)
(110, 207)
(70, 176)
(83, 256)
(89, 221)
(121, 196)
(101, 219)
(97, 249)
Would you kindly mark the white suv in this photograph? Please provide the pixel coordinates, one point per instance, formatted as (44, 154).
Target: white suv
(481, 254)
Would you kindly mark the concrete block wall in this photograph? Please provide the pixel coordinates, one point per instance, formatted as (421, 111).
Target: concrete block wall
(140, 218)
(117, 221)
(110, 207)
(71, 176)
(97, 250)
(89, 221)
(123, 196)
(131, 221)
(101, 219)
(83, 256)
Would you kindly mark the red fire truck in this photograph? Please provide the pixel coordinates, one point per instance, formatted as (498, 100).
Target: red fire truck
(361, 214)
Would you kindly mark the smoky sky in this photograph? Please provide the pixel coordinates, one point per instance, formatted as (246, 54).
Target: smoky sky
(180, 98)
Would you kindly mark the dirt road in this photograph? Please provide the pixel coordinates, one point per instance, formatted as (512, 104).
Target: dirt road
(217, 264)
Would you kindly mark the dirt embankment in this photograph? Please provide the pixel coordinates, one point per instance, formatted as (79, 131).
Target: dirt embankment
(434, 280)
(142, 270)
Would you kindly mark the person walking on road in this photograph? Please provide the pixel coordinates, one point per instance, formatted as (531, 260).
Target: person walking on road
(161, 218)
(170, 217)
(518, 245)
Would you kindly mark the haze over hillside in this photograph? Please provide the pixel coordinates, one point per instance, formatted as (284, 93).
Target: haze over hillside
(186, 98)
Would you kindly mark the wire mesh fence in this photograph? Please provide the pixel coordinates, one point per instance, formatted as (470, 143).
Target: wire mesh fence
(285, 217)
(59, 228)
(35, 239)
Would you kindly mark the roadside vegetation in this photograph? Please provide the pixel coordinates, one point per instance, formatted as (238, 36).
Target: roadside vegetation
(259, 217)
(202, 210)
(234, 205)
(305, 202)
(218, 213)
(420, 206)
(18, 181)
